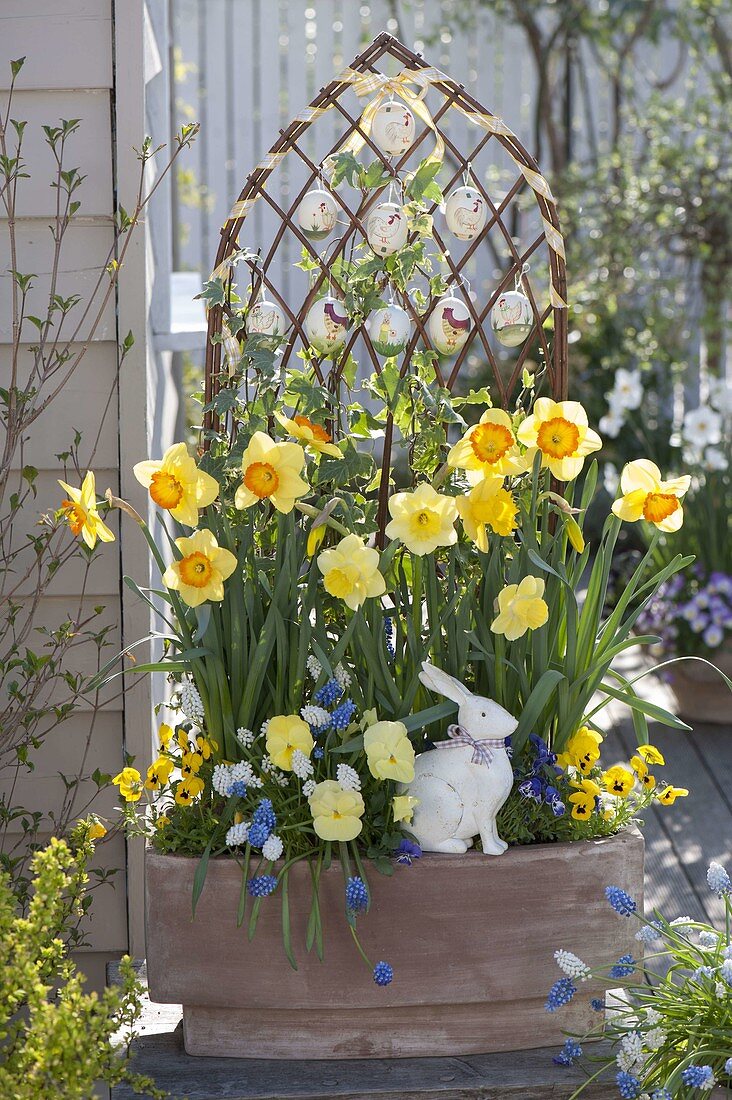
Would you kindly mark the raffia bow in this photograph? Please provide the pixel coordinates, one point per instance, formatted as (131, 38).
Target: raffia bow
(482, 747)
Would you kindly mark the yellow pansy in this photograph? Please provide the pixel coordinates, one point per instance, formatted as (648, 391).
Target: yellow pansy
(190, 764)
(165, 734)
(559, 429)
(80, 510)
(640, 768)
(403, 807)
(389, 752)
(336, 813)
(129, 782)
(582, 751)
(488, 504)
(646, 496)
(97, 830)
(618, 780)
(188, 789)
(310, 434)
(584, 799)
(669, 795)
(182, 740)
(271, 471)
(489, 448)
(162, 821)
(285, 734)
(351, 572)
(177, 485)
(651, 754)
(158, 773)
(520, 608)
(203, 567)
(423, 519)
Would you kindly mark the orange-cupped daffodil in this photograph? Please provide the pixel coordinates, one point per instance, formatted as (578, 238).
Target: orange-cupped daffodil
(336, 813)
(423, 519)
(177, 485)
(488, 449)
(287, 733)
(520, 608)
(129, 782)
(646, 496)
(389, 752)
(618, 781)
(271, 471)
(558, 429)
(310, 434)
(351, 572)
(487, 504)
(200, 572)
(158, 773)
(80, 510)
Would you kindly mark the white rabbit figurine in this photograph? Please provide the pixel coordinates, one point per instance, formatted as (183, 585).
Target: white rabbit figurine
(462, 783)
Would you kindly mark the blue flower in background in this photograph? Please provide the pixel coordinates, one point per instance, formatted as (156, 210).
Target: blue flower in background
(389, 635)
(623, 967)
(383, 973)
(328, 694)
(629, 1085)
(597, 1004)
(532, 788)
(263, 824)
(239, 788)
(343, 714)
(318, 753)
(698, 1077)
(553, 799)
(621, 902)
(543, 755)
(661, 1094)
(728, 1067)
(569, 1053)
(357, 896)
(407, 851)
(262, 886)
(718, 880)
(649, 933)
(560, 994)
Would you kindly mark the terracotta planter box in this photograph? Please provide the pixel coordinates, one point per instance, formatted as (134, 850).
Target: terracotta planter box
(701, 694)
(471, 940)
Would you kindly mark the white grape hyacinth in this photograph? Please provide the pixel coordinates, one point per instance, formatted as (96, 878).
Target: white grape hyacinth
(272, 848)
(348, 778)
(245, 737)
(572, 965)
(238, 834)
(301, 765)
(190, 702)
(314, 667)
(343, 677)
(309, 787)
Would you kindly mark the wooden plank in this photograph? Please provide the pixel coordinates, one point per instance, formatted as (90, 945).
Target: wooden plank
(67, 43)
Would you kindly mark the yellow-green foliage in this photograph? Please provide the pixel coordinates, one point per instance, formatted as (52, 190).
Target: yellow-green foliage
(55, 1038)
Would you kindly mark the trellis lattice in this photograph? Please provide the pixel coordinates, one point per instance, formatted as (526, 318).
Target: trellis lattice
(365, 78)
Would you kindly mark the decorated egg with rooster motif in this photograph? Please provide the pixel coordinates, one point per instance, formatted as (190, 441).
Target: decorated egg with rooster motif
(317, 214)
(389, 330)
(465, 213)
(393, 128)
(386, 228)
(266, 318)
(512, 318)
(325, 325)
(449, 325)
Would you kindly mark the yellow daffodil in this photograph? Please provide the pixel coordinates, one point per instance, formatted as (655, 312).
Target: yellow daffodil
(640, 768)
(646, 496)
(177, 485)
(271, 471)
(129, 782)
(651, 754)
(188, 789)
(423, 519)
(285, 734)
(520, 608)
(560, 431)
(165, 734)
(403, 807)
(574, 534)
(351, 572)
(315, 539)
(582, 751)
(389, 752)
(97, 830)
(488, 449)
(618, 780)
(310, 434)
(487, 504)
(158, 773)
(336, 813)
(668, 795)
(80, 510)
(203, 567)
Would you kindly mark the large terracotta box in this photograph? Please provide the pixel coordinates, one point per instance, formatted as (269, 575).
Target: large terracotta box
(471, 939)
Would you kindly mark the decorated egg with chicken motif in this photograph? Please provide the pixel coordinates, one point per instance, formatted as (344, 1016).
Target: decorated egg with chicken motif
(386, 228)
(325, 325)
(393, 128)
(317, 214)
(512, 318)
(465, 213)
(266, 318)
(389, 330)
(449, 325)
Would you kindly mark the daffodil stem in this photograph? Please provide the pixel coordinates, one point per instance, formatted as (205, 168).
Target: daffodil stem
(442, 474)
(313, 512)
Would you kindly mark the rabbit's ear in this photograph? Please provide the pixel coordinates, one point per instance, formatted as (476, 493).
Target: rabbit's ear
(443, 684)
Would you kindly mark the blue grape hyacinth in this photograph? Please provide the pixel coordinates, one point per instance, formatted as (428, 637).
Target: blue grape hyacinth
(383, 973)
(621, 902)
(560, 994)
(357, 896)
(262, 886)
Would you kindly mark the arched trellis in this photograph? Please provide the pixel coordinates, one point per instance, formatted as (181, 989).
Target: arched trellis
(223, 351)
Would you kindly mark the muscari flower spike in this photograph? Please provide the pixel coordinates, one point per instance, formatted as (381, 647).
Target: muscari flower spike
(661, 1094)
(698, 1077)
(560, 994)
(718, 880)
(263, 824)
(342, 715)
(629, 1085)
(569, 1053)
(623, 967)
(328, 694)
(262, 886)
(383, 973)
(357, 896)
(597, 1004)
(620, 901)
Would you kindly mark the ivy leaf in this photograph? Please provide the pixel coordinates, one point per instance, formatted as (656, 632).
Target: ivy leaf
(213, 293)
(346, 168)
(422, 185)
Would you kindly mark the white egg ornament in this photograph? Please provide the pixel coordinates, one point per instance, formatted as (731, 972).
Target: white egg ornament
(466, 213)
(389, 330)
(266, 318)
(393, 128)
(449, 325)
(325, 325)
(512, 318)
(386, 228)
(317, 214)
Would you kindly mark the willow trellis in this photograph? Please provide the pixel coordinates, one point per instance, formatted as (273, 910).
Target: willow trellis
(365, 78)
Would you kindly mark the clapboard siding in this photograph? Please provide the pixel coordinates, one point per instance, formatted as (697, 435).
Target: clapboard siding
(68, 43)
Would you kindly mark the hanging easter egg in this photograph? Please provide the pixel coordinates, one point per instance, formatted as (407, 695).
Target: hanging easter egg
(317, 214)
(386, 228)
(449, 325)
(512, 318)
(266, 318)
(393, 128)
(325, 325)
(465, 212)
(389, 330)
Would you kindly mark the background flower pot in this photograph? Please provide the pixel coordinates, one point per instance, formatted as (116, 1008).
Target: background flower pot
(701, 694)
(470, 938)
